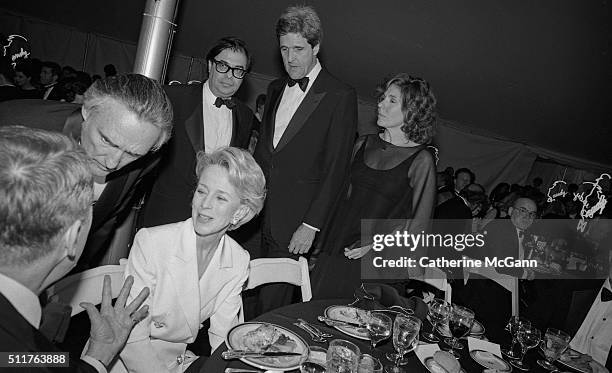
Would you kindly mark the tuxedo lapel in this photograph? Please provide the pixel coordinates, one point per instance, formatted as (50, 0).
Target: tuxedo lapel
(183, 269)
(275, 98)
(235, 120)
(308, 105)
(194, 125)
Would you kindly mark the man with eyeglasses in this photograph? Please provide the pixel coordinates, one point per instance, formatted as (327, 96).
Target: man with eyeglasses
(206, 117)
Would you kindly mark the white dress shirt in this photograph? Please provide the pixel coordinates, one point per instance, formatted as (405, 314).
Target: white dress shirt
(290, 101)
(217, 122)
(28, 306)
(595, 334)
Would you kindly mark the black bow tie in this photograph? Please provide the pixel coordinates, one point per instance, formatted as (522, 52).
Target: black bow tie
(229, 102)
(606, 295)
(303, 82)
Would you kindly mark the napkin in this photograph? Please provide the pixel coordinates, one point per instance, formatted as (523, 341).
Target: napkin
(425, 351)
(479, 344)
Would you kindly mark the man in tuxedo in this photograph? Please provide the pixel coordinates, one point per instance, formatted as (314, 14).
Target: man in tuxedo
(49, 78)
(307, 132)
(47, 187)
(207, 117)
(122, 121)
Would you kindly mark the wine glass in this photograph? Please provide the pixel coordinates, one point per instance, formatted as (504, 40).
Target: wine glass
(438, 314)
(405, 339)
(513, 326)
(528, 337)
(342, 357)
(460, 322)
(379, 326)
(554, 343)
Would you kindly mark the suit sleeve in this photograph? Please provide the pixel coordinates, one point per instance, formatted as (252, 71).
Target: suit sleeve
(338, 145)
(138, 354)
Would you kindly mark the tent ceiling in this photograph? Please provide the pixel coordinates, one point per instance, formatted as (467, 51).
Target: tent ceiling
(534, 71)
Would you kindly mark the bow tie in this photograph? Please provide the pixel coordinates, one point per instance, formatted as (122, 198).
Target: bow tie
(303, 82)
(229, 102)
(606, 295)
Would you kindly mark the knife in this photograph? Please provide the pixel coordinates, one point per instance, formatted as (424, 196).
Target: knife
(237, 354)
(341, 322)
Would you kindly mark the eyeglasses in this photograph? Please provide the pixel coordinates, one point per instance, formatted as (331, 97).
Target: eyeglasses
(523, 211)
(222, 67)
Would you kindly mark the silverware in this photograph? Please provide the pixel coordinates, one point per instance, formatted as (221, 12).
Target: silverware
(339, 322)
(237, 354)
(240, 370)
(315, 337)
(318, 331)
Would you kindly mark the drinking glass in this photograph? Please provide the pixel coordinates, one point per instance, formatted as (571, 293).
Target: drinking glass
(315, 361)
(379, 326)
(438, 314)
(513, 326)
(554, 343)
(528, 337)
(342, 357)
(460, 322)
(405, 339)
(369, 364)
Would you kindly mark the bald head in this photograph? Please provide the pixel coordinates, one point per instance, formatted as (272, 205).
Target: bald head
(523, 212)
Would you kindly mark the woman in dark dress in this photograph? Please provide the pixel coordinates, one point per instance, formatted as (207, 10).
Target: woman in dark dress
(392, 176)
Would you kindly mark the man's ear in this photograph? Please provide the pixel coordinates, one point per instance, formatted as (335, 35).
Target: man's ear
(510, 209)
(70, 240)
(315, 49)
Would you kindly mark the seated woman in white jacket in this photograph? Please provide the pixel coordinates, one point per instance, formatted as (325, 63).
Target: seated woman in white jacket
(193, 269)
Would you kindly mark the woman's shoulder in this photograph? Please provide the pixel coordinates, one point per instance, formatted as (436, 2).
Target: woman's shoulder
(237, 250)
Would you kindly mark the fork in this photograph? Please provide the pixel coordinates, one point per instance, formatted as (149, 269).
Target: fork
(312, 334)
(315, 329)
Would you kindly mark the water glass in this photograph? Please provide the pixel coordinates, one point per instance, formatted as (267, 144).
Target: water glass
(554, 343)
(438, 314)
(342, 357)
(405, 339)
(460, 322)
(513, 326)
(315, 361)
(369, 364)
(528, 337)
(379, 326)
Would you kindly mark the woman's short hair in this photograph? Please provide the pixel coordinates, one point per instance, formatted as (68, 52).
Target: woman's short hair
(244, 174)
(301, 20)
(45, 185)
(143, 96)
(418, 106)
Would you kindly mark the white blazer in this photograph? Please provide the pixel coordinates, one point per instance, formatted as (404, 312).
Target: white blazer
(164, 259)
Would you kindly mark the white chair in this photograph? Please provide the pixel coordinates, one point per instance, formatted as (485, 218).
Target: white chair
(438, 279)
(508, 282)
(86, 286)
(270, 270)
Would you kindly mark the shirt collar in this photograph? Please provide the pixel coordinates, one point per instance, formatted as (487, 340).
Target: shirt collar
(312, 75)
(22, 298)
(209, 97)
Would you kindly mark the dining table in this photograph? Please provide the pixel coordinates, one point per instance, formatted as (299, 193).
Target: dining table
(309, 311)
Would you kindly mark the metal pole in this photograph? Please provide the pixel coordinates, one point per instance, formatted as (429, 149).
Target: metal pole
(155, 39)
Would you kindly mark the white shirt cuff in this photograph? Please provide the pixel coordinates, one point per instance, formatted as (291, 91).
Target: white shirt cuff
(94, 363)
(311, 227)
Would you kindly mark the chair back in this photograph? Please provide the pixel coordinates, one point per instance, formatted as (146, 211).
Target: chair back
(86, 286)
(438, 279)
(508, 282)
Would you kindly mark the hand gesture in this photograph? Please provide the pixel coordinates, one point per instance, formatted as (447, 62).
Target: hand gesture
(301, 240)
(111, 326)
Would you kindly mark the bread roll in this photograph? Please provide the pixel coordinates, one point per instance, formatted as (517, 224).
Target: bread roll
(447, 361)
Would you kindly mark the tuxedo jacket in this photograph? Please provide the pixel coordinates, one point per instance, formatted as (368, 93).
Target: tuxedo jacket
(501, 240)
(170, 199)
(164, 258)
(124, 188)
(57, 93)
(17, 335)
(306, 170)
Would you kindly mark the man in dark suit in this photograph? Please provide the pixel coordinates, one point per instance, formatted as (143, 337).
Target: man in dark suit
(49, 78)
(307, 133)
(122, 121)
(47, 189)
(207, 117)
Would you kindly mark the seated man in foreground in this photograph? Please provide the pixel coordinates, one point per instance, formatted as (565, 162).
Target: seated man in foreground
(46, 191)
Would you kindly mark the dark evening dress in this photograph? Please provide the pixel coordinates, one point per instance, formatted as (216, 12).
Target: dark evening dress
(386, 182)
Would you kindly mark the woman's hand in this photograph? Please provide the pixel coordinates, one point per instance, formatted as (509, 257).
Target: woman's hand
(357, 252)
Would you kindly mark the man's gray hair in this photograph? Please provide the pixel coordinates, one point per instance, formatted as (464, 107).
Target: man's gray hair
(303, 20)
(45, 186)
(143, 96)
(244, 174)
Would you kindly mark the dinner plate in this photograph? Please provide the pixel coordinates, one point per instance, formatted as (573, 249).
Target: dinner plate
(477, 329)
(350, 314)
(434, 367)
(579, 363)
(235, 341)
(490, 360)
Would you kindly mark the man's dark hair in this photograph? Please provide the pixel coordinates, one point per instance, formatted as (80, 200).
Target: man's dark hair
(229, 42)
(467, 171)
(301, 20)
(55, 68)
